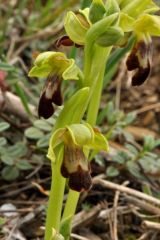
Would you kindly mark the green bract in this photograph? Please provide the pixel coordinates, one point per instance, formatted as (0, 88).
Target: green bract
(77, 135)
(54, 63)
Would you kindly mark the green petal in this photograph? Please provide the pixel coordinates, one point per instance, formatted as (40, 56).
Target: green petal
(55, 140)
(75, 28)
(148, 24)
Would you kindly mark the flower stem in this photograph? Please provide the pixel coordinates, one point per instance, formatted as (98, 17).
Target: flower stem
(95, 82)
(55, 199)
(71, 204)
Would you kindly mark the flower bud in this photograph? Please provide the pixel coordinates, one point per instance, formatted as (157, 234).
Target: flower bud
(96, 11)
(112, 7)
(110, 37)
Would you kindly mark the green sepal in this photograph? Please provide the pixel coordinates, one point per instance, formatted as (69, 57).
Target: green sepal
(138, 7)
(85, 14)
(147, 24)
(110, 37)
(126, 22)
(112, 7)
(76, 27)
(96, 11)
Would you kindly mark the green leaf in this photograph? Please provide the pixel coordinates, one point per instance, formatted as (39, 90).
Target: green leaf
(149, 143)
(65, 227)
(23, 97)
(7, 159)
(112, 172)
(18, 150)
(2, 221)
(4, 126)
(23, 165)
(3, 141)
(132, 149)
(33, 133)
(130, 117)
(119, 158)
(43, 125)
(44, 141)
(10, 173)
(7, 67)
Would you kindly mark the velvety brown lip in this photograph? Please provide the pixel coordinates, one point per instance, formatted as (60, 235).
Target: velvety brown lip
(140, 61)
(51, 93)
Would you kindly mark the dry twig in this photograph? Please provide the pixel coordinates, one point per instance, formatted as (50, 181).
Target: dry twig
(127, 190)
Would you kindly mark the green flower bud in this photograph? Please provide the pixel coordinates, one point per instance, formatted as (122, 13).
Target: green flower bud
(96, 11)
(112, 7)
(110, 37)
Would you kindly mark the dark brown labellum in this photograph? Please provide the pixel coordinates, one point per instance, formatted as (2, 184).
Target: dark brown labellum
(140, 61)
(51, 93)
(140, 76)
(76, 167)
(45, 107)
(80, 180)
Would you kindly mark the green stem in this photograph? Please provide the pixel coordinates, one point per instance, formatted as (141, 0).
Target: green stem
(93, 107)
(95, 82)
(71, 204)
(55, 198)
